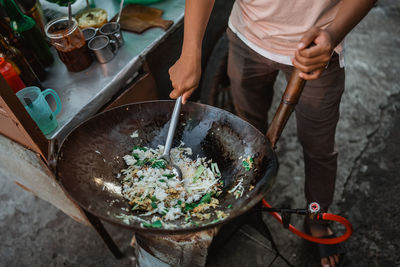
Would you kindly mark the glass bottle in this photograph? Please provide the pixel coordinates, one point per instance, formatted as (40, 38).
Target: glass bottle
(9, 35)
(14, 56)
(29, 31)
(33, 9)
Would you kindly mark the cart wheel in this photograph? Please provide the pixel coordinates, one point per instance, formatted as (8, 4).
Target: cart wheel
(215, 85)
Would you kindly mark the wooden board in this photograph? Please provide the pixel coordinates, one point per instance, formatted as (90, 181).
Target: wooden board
(138, 18)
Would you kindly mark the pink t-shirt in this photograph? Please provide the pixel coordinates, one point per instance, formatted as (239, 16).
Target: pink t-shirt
(273, 28)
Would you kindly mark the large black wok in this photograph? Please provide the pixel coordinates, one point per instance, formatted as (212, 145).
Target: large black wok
(90, 159)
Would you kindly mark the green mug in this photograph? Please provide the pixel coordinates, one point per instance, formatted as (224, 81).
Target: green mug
(39, 109)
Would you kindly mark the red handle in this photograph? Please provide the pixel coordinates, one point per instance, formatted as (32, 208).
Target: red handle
(324, 216)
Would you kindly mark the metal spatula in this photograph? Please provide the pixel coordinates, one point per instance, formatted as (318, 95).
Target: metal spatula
(171, 131)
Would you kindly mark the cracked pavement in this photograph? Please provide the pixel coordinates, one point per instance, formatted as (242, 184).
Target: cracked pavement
(34, 233)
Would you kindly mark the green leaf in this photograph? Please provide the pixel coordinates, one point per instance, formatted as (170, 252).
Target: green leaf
(179, 202)
(206, 198)
(154, 205)
(153, 198)
(162, 180)
(229, 206)
(169, 176)
(246, 165)
(159, 164)
(136, 156)
(164, 212)
(156, 224)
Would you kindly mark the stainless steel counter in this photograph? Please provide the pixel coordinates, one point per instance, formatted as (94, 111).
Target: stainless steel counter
(84, 93)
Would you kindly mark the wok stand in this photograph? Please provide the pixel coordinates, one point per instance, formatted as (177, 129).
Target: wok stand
(193, 249)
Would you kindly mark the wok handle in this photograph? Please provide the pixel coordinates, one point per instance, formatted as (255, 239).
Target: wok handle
(289, 100)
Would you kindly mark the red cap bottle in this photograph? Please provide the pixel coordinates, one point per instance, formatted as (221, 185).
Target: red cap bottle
(10, 75)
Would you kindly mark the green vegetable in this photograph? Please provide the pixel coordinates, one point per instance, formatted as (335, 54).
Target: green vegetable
(229, 206)
(198, 172)
(179, 202)
(190, 206)
(153, 199)
(162, 180)
(248, 163)
(206, 198)
(135, 207)
(156, 224)
(169, 176)
(142, 162)
(164, 212)
(215, 169)
(159, 164)
(140, 148)
(136, 156)
(154, 205)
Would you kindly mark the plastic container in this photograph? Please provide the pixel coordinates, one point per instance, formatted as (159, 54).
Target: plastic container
(39, 109)
(11, 77)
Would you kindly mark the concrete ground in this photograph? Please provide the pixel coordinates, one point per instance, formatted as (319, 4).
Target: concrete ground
(34, 233)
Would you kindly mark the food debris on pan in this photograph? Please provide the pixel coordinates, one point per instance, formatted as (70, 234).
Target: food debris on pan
(157, 197)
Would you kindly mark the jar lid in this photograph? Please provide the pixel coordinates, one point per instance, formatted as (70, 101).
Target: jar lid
(59, 28)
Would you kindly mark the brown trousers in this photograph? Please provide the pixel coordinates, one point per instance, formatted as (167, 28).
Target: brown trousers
(252, 79)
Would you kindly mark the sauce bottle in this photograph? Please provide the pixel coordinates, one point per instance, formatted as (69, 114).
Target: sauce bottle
(11, 77)
(14, 56)
(29, 31)
(9, 35)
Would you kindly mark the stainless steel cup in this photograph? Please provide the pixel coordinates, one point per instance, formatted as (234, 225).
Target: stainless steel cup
(89, 34)
(101, 47)
(113, 31)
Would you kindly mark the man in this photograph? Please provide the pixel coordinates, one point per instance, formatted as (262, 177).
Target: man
(267, 36)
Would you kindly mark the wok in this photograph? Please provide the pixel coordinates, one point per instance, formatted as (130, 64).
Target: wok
(90, 158)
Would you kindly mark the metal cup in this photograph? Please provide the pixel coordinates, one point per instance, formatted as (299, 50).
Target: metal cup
(89, 34)
(101, 47)
(113, 31)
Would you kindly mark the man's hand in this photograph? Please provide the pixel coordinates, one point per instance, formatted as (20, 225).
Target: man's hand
(185, 77)
(312, 60)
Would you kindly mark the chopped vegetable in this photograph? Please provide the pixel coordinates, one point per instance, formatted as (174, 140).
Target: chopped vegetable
(159, 164)
(215, 169)
(198, 172)
(135, 134)
(248, 163)
(156, 224)
(206, 198)
(153, 189)
(140, 148)
(169, 176)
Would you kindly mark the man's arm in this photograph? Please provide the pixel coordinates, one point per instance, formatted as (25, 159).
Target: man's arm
(185, 73)
(312, 61)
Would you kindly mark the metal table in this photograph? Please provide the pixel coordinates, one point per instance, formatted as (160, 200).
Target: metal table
(82, 94)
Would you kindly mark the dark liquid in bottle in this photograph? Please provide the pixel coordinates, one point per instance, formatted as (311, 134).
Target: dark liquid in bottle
(34, 38)
(77, 59)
